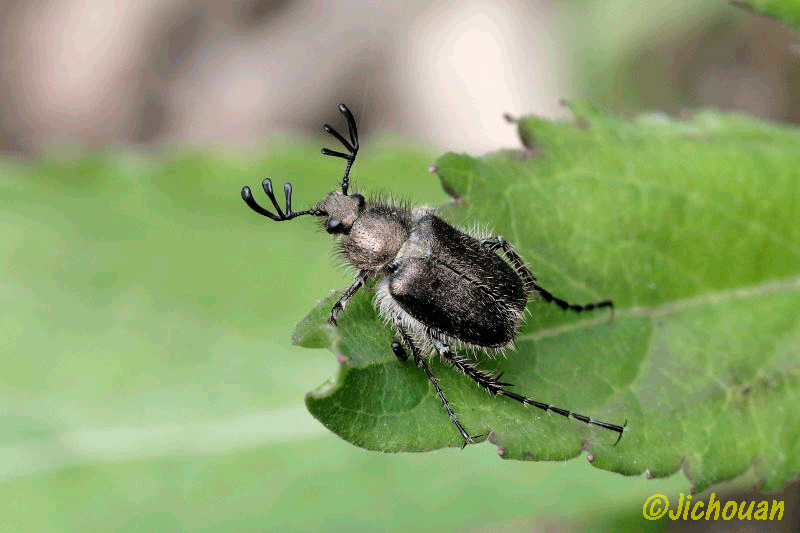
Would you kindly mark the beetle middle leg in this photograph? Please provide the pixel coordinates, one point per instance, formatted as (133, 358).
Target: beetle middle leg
(496, 388)
(497, 243)
(339, 306)
(402, 355)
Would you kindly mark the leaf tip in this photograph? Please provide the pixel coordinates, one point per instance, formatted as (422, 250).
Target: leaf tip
(313, 331)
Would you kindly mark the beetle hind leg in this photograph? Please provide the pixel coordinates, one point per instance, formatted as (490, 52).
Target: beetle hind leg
(499, 243)
(497, 388)
(402, 355)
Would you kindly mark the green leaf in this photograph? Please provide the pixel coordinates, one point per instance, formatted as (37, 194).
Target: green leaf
(691, 227)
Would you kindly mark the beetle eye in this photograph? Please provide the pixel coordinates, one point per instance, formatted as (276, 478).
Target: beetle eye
(333, 225)
(359, 200)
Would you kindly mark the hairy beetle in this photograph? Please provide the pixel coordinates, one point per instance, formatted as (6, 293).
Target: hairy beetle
(437, 285)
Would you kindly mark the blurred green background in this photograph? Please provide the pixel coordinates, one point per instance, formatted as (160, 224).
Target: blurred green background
(147, 378)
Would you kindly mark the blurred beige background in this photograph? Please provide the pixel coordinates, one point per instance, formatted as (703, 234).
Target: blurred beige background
(196, 71)
(203, 71)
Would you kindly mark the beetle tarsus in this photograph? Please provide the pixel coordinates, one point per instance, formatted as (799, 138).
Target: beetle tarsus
(399, 351)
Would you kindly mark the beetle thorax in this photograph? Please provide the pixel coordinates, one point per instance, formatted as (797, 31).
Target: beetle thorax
(375, 237)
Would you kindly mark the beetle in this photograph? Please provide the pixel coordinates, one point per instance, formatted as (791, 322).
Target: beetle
(439, 286)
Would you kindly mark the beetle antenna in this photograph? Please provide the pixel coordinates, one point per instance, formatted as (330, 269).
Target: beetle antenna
(247, 196)
(351, 146)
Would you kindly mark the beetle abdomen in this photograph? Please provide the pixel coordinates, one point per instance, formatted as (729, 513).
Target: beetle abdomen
(459, 287)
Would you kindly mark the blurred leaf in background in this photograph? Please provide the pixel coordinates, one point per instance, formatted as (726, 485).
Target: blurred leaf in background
(742, 56)
(787, 11)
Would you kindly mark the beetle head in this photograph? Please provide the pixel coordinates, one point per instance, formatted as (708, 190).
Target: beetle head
(341, 211)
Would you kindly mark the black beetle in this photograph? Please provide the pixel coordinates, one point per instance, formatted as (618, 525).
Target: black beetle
(438, 285)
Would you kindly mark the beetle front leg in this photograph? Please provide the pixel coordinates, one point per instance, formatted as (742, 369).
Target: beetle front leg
(339, 306)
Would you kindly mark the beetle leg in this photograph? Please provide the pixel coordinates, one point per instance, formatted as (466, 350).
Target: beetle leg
(483, 378)
(420, 361)
(400, 352)
(497, 243)
(339, 306)
(490, 383)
